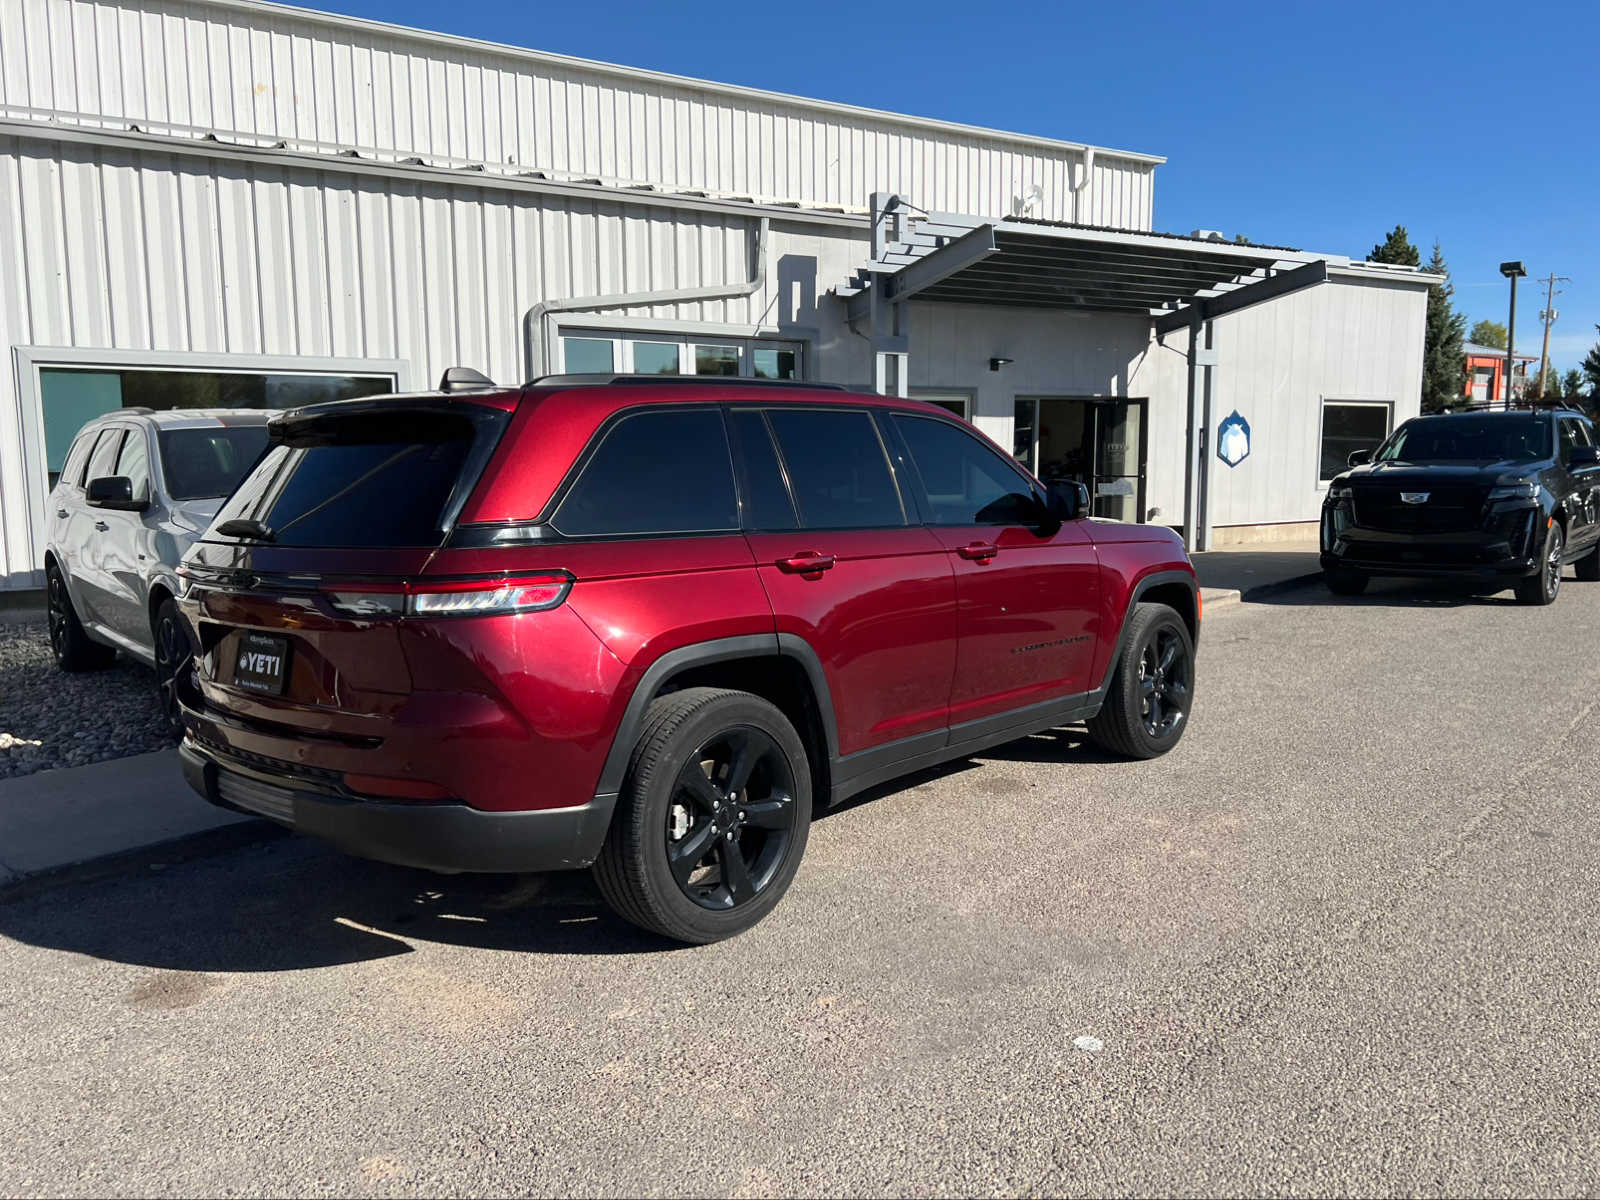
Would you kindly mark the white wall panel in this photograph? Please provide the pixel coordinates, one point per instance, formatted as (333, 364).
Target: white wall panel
(261, 74)
(107, 248)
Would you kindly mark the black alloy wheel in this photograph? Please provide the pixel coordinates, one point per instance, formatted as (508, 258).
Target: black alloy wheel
(1151, 693)
(1544, 585)
(173, 658)
(730, 820)
(70, 646)
(713, 816)
(1166, 672)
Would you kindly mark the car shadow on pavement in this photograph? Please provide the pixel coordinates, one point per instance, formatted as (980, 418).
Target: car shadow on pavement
(1062, 745)
(1388, 593)
(298, 904)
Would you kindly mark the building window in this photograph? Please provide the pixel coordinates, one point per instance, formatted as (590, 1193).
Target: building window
(1348, 426)
(589, 356)
(605, 353)
(956, 402)
(71, 396)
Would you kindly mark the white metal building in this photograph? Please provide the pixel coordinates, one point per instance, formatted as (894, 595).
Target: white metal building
(226, 201)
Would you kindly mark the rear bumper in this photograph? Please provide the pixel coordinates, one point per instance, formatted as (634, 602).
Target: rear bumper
(436, 837)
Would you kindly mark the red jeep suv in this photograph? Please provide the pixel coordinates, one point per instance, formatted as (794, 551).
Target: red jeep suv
(649, 625)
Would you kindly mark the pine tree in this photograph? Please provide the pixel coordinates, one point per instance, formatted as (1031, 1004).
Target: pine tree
(1444, 363)
(1591, 367)
(1572, 383)
(1397, 249)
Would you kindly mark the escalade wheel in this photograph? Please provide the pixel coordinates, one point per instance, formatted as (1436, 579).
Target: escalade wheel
(1542, 586)
(71, 646)
(1147, 705)
(173, 657)
(713, 819)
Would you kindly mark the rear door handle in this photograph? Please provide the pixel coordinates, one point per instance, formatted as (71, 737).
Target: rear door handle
(62, 513)
(101, 526)
(807, 562)
(978, 551)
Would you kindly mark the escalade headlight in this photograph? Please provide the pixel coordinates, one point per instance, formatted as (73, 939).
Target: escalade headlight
(1338, 494)
(1525, 490)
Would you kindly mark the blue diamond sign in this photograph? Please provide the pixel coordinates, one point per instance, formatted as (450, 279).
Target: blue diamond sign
(1233, 439)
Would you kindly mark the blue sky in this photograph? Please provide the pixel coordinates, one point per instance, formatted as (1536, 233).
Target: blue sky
(1312, 125)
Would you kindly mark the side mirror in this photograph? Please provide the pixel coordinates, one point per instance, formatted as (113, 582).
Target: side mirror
(1584, 456)
(115, 492)
(1068, 501)
(1359, 457)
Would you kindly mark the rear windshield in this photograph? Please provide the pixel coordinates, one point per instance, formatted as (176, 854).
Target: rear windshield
(206, 464)
(378, 479)
(1470, 439)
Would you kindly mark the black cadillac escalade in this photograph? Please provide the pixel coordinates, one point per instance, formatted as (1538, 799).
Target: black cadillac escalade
(1501, 498)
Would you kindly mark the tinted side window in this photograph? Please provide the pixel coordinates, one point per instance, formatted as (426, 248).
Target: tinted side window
(966, 483)
(134, 462)
(655, 472)
(837, 468)
(1572, 434)
(766, 496)
(103, 461)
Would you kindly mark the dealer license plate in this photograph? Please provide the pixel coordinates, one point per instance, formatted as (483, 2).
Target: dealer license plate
(262, 664)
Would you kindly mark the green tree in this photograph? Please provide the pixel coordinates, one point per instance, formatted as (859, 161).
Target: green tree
(1572, 384)
(1591, 367)
(1488, 333)
(1444, 361)
(1552, 387)
(1397, 249)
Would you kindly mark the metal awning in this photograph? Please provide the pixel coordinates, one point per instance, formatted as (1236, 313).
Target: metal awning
(1039, 264)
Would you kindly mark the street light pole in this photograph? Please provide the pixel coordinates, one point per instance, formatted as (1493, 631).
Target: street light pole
(1512, 271)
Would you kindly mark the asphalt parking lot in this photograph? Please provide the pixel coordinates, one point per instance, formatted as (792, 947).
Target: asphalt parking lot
(1344, 939)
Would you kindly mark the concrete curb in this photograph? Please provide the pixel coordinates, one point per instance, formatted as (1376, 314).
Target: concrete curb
(154, 856)
(79, 822)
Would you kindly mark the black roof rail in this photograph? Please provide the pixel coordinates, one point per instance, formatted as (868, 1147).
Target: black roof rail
(603, 378)
(464, 379)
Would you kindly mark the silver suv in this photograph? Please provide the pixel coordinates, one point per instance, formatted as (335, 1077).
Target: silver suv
(136, 489)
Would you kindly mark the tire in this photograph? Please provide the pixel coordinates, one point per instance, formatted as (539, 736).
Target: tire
(666, 863)
(72, 648)
(1587, 568)
(174, 655)
(1544, 585)
(1151, 695)
(1342, 582)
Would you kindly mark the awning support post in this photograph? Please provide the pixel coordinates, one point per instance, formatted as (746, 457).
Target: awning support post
(1197, 462)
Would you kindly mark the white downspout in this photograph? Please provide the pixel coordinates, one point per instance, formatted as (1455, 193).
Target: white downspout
(1080, 194)
(536, 329)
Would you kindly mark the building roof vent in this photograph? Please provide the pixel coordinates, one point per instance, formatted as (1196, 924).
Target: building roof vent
(1210, 235)
(464, 379)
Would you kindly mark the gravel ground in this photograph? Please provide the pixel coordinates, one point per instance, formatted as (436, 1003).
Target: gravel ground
(51, 719)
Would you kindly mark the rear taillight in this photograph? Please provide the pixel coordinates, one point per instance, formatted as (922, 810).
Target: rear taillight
(452, 597)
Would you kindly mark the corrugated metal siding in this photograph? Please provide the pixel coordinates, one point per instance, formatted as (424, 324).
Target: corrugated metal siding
(187, 67)
(104, 247)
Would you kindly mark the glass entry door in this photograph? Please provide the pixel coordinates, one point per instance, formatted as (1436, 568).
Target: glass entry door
(1117, 435)
(1097, 441)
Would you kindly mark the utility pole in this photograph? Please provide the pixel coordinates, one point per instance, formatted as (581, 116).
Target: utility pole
(1548, 316)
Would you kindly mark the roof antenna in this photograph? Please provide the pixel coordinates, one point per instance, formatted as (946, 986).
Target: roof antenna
(464, 379)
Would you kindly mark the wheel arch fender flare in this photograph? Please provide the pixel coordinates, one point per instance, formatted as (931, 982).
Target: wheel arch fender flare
(699, 654)
(1142, 588)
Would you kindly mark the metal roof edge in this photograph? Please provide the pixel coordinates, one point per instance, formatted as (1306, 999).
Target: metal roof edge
(1386, 273)
(572, 62)
(214, 148)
